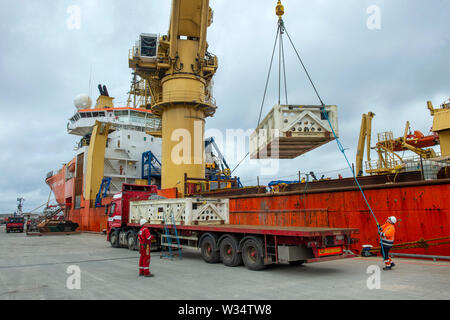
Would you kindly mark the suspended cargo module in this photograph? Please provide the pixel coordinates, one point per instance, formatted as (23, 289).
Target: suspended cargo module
(289, 131)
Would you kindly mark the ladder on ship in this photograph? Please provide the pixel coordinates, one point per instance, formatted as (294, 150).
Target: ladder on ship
(151, 168)
(167, 239)
(102, 192)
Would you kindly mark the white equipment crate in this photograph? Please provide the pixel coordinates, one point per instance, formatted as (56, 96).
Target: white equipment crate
(289, 131)
(185, 211)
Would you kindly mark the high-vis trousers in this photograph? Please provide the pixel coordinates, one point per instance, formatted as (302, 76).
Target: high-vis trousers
(385, 252)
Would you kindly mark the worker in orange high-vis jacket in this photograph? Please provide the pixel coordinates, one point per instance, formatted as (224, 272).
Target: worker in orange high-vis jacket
(387, 235)
(145, 240)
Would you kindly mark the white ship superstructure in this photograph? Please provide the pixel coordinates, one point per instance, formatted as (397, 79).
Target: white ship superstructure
(125, 145)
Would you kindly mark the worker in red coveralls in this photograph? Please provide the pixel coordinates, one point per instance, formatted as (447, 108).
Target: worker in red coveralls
(145, 239)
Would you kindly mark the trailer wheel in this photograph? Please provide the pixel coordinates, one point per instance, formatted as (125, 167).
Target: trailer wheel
(208, 249)
(229, 254)
(131, 241)
(114, 239)
(252, 254)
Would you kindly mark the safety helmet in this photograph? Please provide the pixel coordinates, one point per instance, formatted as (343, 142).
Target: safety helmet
(143, 221)
(392, 220)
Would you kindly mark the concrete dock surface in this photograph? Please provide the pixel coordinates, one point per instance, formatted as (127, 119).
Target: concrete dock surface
(85, 266)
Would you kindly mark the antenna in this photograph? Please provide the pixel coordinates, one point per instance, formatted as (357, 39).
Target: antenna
(90, 81)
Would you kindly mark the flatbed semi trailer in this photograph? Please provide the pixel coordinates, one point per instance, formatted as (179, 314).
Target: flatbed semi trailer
(233, 245)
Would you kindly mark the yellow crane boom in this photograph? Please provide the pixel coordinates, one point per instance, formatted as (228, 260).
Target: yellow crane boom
(365, 135)
(441, 125)
(179, 70)
(95, 160)
(424, 153)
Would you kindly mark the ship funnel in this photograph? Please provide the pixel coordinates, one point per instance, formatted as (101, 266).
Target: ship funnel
(103, 90)
(82, 101)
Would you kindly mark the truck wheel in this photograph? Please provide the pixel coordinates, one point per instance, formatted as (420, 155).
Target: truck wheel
(229, 252)
(209, 254)
(252, 254)
(131, 241)
(114, 239)
(156, 246)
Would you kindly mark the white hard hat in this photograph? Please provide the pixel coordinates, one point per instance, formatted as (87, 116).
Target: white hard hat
(393, 220)
(143, 221)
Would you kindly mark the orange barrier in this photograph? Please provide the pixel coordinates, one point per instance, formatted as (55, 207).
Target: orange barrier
(171, 193)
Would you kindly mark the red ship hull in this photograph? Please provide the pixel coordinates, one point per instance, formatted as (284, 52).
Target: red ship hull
(57, 184)
(422, 207)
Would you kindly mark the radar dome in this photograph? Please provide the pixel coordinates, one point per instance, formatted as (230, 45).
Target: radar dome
(82, 101)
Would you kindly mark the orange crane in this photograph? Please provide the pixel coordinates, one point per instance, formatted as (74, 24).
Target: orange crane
(388, 160)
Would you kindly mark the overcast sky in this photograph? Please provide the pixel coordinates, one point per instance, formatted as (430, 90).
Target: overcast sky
(44, 64)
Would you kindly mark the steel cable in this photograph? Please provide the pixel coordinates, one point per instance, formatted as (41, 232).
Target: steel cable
(265, 91)
(341, 148)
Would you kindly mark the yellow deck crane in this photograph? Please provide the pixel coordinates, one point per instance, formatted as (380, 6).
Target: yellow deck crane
(178, 69)
(424, 153)
(97, 146)
(388, 161)
(365, 135)
(95, 160)
(387, 147)
(441, 125)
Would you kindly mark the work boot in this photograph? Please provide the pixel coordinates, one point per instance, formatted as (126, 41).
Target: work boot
(387, 268)
(141, 274)
(149, 275)
(392, 264)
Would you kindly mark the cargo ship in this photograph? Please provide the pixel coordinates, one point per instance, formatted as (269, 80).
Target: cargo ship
(120, 160)
(114, 141)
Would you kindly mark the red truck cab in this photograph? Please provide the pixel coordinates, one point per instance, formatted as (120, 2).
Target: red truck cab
(118, 210)
(15, 224)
